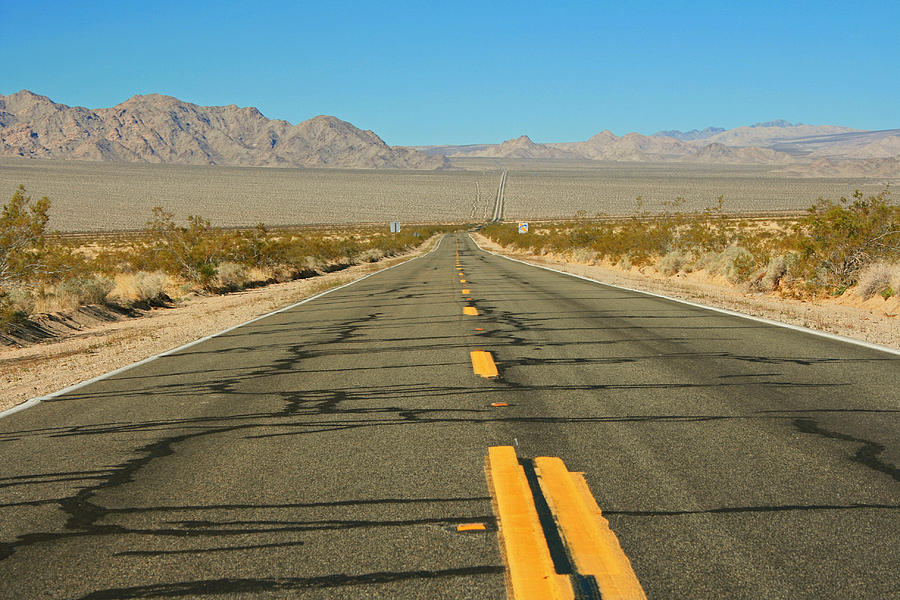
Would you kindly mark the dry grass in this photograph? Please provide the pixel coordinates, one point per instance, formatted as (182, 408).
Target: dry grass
(879, 278)
(141, 286)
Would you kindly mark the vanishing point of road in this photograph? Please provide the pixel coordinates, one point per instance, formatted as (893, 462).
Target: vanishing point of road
(332, 450)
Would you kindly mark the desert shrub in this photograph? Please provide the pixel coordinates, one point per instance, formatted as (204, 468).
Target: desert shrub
(738, 264)
(775, 271)
(191, 251)
(723, 263)
(231, 276)
(84, 290)
(673, 262)
(840, 239)
(15, 305)
(22, 238)
(709, 232)
(59, 274)
(372, 255)
(583, 255)
(20, 300)
(825, 250)
(878, 278)
(149, 286)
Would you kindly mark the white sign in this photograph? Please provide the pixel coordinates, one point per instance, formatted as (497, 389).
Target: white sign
(523, 227)
(395, 226)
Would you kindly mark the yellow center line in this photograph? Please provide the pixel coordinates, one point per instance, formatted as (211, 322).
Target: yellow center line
(483, 363)
(530, 573)
(593, 546)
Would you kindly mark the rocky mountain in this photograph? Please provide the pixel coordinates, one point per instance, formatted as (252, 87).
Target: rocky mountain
(163, 129)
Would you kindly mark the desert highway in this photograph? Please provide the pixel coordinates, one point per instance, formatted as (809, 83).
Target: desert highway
(332, 450)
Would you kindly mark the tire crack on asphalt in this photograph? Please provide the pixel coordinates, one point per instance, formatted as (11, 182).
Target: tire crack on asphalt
(273, 584)
(868, 454)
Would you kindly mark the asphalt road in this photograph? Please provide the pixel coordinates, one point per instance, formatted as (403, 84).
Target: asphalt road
(330, 450)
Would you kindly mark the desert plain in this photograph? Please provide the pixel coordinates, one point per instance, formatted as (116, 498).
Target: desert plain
(106, 196)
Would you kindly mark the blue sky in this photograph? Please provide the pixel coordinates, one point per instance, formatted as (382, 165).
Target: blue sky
(472, 72)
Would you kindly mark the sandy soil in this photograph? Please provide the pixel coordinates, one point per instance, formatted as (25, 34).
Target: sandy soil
(91, 348)
(874, 320)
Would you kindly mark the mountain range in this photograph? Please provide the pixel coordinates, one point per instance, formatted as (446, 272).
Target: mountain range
(163, 129)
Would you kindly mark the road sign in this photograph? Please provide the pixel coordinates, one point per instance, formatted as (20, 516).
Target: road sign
(395, 226)
(523, 227)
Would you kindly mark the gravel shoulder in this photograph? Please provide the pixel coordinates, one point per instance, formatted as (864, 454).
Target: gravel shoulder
(874, 320)
(95, 348)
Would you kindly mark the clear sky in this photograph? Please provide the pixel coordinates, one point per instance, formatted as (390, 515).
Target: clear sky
(458, 72)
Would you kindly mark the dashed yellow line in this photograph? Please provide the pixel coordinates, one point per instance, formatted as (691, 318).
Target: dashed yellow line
(483, 363)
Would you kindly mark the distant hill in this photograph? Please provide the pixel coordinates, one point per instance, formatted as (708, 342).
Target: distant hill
(846, 167)
(765, 134)
(850, 152)
(520, 147)
(632, 147)
(162, 129)
(690, 136)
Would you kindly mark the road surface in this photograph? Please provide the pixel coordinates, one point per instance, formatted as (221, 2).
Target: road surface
(331, 450)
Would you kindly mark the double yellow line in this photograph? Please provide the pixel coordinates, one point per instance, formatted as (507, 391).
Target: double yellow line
(591, 545)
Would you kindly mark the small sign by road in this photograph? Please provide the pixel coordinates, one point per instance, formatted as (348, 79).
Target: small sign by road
(395, 226)
(523, 227)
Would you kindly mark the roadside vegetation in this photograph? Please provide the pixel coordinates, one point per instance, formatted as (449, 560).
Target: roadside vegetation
(835, 245)
(44, 272)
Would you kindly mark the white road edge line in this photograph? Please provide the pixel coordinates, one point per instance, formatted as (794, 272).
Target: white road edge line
(72, 388)
(824, 334)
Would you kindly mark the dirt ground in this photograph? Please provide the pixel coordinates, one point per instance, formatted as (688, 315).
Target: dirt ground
(875, 320)
(93, 341)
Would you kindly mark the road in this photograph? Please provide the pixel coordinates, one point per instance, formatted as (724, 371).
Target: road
(330, 451)
(497, 214)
